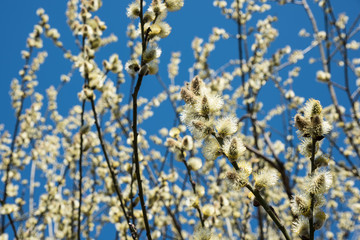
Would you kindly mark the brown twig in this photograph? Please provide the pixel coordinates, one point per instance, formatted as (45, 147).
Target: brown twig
(193, 185)
(269, 211)
(136, 156)
(15, 133)
(312, 196)
(324, 61)
(112, 174)
(80, 170)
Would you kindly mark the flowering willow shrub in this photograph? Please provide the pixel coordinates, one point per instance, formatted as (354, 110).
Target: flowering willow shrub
(224, 170)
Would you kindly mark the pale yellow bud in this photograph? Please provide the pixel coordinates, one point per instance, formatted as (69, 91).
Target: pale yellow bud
(208, 210)
(319, 219)
(194, 163)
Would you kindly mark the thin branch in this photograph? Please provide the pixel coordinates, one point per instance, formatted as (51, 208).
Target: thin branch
(112, 174)
(134, 126)
(15, 133)
(281, 168)
(326, 69)
(270, 211)
(173, 104)
(136, 156)
(259, 154)
(155, 182)
(80, 169)
(312, 196)
(193, 185)
(11, 222)
(86, 81)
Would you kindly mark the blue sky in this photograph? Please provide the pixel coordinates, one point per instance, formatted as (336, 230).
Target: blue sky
(196, 19)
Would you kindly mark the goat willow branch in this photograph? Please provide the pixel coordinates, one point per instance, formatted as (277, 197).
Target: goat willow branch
(269, 211)
(136, 156)
(12, 148)
(112, 174)
(134, 127)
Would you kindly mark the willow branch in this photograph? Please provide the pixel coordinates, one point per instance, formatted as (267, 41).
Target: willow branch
(80, 169)
(11, 222)
(136, 156)
(112, 174)
(270, 211)
(134, 126)
(15, 133)
(312, 162)
(326, 69)
(193, 185)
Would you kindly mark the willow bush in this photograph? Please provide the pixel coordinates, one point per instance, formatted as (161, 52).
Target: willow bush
(236, 163)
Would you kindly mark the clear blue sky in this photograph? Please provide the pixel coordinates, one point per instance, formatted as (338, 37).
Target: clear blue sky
(197, 18)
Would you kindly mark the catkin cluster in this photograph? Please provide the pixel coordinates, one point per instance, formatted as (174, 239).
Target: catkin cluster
(202, 115)
(152, 28)
(307, 204)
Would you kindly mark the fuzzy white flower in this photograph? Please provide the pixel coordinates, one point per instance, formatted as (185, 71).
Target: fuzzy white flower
(238, 179)
(187, 115)
(245, 169)
(208, 210)
(194, 163)
(319, 200)
(8, 208)
(211, 149)
(306, 147)
(201, 128)
(301, 227)
(323, 76)
(174, 5)
(265, 178)
(227, 126)
(151, 53)
(209, 104)
(312, 107)
(233, 148)
(4, 236)
(133, 10)
(161, 29)
(132, 66)
(187, 143)
(202, 233)
(320, 182)
(325, 127)
(300, 204)
(159, 9)
(319, 219)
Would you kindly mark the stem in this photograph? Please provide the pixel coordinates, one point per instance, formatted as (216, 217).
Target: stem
(240, 40)
(193, 185)
(15, 133)
(269, 211)
(311, 218)
(112, 174)
(136, 156)
(80, 170)
(173, 103)
(260, 224)
(134, 127)
(86, 81)
(325, 61)
(155, 182)
(11, 222)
